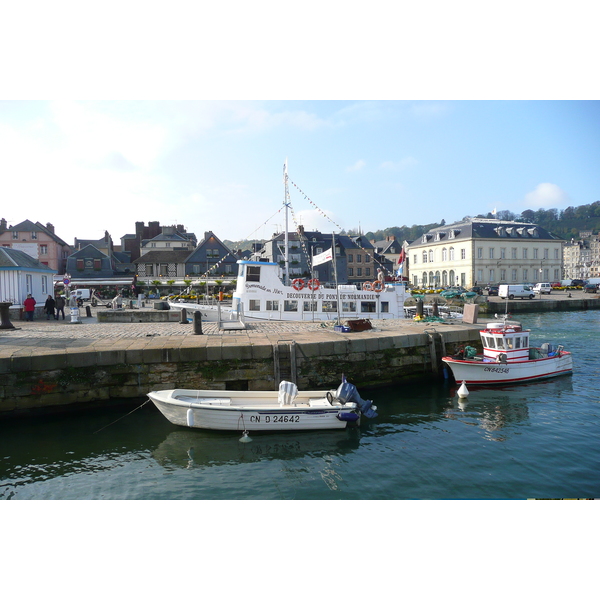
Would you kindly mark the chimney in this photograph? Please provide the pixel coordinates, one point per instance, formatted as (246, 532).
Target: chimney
(390, 238)
(50, 227)
(2, 224)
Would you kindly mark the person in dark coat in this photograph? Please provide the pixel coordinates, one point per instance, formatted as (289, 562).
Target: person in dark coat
(49, 307)
(60, 307)
(29, 305)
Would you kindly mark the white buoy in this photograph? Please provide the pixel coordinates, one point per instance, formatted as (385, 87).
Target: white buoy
(463, 392)
(245, 438)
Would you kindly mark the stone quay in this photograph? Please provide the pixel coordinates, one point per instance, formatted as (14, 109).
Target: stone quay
(60, 365)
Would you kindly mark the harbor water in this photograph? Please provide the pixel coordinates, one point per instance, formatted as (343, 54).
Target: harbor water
(540, 440)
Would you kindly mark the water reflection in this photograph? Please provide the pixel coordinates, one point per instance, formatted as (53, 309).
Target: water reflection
(498, 409)
(189, 449)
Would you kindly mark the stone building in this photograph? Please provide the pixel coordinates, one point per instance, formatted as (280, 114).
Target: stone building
(582, 258)
(485, 251)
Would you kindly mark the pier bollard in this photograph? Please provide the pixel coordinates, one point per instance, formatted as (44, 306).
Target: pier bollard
(88, 310)
(436, 312)
(197, 322)
(420, 308)
(183, 320)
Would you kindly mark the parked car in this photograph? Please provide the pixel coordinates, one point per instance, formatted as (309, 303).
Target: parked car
(478, 290)
(516, 291)
(577, 282)
(590, 288)
(556, 284)
(492, 290)
(542, 288)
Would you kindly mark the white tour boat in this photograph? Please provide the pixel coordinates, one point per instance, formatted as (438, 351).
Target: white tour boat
(261, 295)
(288, 409)
(508, 358)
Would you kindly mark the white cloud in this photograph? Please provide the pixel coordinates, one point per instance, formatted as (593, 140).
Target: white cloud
(546, 195)
(357, 166)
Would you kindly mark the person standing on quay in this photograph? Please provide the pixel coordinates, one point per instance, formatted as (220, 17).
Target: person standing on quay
(29, 305)
(49, 307)
(60, 307)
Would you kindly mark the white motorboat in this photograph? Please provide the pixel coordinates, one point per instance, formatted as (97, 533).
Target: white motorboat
(508, 358)
(287, 409)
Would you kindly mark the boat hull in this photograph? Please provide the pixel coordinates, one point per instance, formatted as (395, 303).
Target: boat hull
(491, 373)
(225, 415)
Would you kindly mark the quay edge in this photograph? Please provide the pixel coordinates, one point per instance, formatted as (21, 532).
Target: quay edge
(36, 380)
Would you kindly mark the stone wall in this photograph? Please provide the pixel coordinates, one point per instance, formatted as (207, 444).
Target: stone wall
(54, 380)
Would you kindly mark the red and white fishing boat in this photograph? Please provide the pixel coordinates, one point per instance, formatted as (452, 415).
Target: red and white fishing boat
(508, 358)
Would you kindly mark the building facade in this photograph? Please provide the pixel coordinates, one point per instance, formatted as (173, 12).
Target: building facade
(582, 258)
(485, 251)
(38, 241)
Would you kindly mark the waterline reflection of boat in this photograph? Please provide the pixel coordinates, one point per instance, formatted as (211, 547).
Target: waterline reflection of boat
(187, 449)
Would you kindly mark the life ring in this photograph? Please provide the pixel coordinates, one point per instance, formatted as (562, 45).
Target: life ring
(314, 285)
(367, 286)
(298, 284)
(377, 286)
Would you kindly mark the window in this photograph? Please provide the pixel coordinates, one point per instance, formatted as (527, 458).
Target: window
(492, 274)
(414, 259)
(350, 258)
(44, 284)
(535, 253)
(329, 305)
(15, 235)
(502, 253)
(34, 235)
(368, 272)
(385, 307)
(254, 305)
(29, 283)
(546, 253)
(168, 245)
(513, 253)
(80, 264)
(444, 254)
(525, 274)
(479, 274)
(310, 306)
(463, 253)
(253, 274)
(358, 258)
(491, 253)
(524, 252)
(424, 256)
(349, 306)
(152, 245)
(359, 272)
(273, 305)
(97, 264)
(479, 252)
(502, 274)
(43, 249)
(150, 269)
(290, 305)
(514, 275)
(451, 253)
(431, 256)
(369, 307)
(350, 272)
(367, 258)
(556, 257)
(556, 274)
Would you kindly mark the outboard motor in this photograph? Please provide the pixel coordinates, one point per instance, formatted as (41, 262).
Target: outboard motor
(347, 392)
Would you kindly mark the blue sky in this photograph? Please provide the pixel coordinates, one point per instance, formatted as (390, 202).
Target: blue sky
(387, 117)
(217, 165)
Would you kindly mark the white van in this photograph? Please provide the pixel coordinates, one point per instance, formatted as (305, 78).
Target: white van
(516, 291)
(84, 294)
(542, 288)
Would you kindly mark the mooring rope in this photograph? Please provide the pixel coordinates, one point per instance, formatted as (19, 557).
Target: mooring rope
(140, 406)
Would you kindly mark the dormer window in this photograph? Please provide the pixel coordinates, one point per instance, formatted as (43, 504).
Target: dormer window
(533, 232)
(522, 231)
(501, 231)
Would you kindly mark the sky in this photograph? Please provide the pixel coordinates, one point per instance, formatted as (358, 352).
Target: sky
(91, 166)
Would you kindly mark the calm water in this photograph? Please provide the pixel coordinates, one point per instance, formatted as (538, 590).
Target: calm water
(531, 441)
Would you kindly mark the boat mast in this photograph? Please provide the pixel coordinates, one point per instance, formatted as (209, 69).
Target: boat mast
(337, 289)
(286, 203)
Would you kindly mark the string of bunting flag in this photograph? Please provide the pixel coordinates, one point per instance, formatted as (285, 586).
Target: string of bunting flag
(322, 213)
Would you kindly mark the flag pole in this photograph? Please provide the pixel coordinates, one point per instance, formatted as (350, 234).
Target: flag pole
(337, 289)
